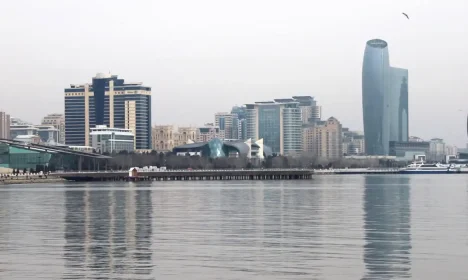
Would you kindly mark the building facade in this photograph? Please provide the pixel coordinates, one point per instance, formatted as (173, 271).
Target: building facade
(58, 121)
(384, 99)
(208, 132)
(48, 133)
(22, 129)
(353, 142)
(166, 137)
(185, 135)
(310, 112)
(112, 140)
(108, 101)
(278, 122)
(225, 122)
(436, 150)
(324, 140)
(5, 123)
(409, 149)
(239, 123)
(163, 138)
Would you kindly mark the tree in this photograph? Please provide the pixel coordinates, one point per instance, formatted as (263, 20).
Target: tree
(24, 171)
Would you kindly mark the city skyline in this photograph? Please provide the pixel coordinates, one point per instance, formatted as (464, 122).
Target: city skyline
(211, 61)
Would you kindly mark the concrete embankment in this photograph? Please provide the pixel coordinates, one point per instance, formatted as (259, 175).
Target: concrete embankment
(29, 180)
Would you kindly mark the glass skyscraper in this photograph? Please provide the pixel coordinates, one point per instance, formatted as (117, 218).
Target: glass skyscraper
(278, 123)
(384, 99)
(108, 101)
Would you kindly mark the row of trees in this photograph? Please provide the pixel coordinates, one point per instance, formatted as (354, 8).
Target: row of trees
(124, 161)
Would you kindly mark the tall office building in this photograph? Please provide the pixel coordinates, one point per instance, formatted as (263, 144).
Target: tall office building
(58, 121)
(278, 122)
(4, 125)
(384, 99)
(108, 101)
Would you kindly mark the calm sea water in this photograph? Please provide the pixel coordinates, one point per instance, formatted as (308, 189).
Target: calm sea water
(333, 227)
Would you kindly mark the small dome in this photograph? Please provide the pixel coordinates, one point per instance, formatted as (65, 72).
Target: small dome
(102, 76)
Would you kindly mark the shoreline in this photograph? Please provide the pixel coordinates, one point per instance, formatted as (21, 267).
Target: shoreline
(19, 181)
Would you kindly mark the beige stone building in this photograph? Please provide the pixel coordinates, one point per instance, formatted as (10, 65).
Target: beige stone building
(323, 140)
(166, 137)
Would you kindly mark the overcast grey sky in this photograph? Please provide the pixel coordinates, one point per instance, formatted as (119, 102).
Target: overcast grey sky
(205, 56)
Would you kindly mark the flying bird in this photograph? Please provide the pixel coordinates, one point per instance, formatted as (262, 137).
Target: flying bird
(406, 15)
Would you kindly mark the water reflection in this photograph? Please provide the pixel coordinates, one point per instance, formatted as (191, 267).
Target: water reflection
(108, 233)
(387, 227)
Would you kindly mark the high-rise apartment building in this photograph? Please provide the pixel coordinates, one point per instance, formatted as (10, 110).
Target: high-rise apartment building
(324, 139)
(310, 111)
(108, 101)
(384, 99)
(5, 123)
(278, 122)
(57, 121)
(226, 122)
(239, 123)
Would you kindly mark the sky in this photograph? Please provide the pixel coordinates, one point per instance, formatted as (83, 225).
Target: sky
(204, 56)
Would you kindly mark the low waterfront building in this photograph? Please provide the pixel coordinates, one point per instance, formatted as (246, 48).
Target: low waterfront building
(30, 139)
(216, 148)
(39, 157)
(112, 140)
(22, 129)
(409, 149)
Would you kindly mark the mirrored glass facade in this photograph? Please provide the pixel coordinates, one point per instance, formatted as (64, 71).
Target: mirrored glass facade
(384, 99)
(216, 148)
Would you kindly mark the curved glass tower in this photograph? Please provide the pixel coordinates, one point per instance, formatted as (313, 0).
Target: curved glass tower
(375, 95)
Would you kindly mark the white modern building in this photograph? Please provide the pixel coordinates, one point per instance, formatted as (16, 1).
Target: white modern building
(112, 140)
(22, 129)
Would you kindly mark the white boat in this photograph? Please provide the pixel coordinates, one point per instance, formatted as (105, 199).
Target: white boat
(420, 167)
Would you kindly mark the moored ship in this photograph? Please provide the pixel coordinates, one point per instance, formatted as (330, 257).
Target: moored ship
(428, 168)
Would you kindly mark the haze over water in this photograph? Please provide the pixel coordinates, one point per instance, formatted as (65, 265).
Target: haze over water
(333, 227)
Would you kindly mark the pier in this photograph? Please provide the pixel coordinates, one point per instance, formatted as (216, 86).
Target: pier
(190, 175)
